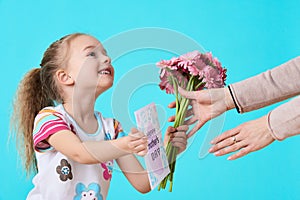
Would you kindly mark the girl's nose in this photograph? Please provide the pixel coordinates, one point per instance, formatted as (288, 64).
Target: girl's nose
(106, 60)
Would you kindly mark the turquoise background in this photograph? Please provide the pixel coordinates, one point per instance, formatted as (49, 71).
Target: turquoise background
(248, 37)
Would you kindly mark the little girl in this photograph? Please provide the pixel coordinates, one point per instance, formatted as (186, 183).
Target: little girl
(70, 146)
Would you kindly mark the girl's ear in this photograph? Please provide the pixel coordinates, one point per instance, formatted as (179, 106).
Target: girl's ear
(64, 78)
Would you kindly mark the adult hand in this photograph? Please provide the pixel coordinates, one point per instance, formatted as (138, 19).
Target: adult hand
(248, 137)
(177, 136)
(206, 105)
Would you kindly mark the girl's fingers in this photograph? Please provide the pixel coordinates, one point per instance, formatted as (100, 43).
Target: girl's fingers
(142, 153)
(179, 131)
(179, 140)
(141, 147)
(134, 131)
(135, 134)
(171, 129)
(180, 146)
(169, 132)
(141, 141)
(183, 128)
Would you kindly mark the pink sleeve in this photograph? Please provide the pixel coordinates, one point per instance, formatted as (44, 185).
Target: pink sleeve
(284, 121)
(269, 87)
(47, 124)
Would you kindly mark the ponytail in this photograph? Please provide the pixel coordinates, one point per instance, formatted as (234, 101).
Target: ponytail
(29, 100)
(37, 90)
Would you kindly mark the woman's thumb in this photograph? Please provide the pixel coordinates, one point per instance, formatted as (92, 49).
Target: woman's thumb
(187, 94)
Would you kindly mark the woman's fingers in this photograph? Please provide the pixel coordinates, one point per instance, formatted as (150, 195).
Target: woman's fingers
(189, 113)
(222, 144)
(191, 120)
(172, 105)
(187, 94)
(240, 153)
(225, 135)
(171, 119)
(196, 128)
(230, 149)
(248, 137)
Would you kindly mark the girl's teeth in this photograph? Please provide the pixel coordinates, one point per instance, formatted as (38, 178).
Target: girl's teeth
(105, 72)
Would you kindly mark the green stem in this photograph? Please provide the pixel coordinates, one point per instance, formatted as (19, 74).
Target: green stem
(181, 108)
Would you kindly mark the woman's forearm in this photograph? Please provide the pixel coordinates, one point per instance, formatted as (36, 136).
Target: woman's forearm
(269, 87)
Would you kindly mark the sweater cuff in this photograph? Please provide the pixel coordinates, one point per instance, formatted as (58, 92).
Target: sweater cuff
(271, 129)
(234, 99)
(284, 121)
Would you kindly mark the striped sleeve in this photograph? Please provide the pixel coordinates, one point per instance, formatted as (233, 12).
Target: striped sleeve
(47, 123)
(118, 129)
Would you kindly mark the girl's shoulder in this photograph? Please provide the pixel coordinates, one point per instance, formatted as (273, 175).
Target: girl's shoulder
(57, 111)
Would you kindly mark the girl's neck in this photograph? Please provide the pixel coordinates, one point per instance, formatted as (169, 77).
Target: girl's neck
(82, 111)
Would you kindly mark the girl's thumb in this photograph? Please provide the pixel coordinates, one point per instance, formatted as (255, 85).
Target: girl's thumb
(134, 130)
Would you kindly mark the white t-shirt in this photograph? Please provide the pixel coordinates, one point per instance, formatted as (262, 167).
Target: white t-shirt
(60, 178)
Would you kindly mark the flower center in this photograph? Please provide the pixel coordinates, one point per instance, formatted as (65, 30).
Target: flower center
(65, 170)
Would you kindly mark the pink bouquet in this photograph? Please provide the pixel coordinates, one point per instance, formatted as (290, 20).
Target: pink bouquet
(192, 71)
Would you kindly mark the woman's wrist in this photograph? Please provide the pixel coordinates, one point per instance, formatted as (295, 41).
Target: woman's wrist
(229, 99)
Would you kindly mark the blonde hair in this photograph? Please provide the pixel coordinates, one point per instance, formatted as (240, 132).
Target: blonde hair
(37, 90)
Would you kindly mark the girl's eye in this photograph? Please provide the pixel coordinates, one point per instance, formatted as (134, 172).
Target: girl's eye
(92, 54)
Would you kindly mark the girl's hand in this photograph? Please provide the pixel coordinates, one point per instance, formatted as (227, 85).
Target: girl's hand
(136, 142)
(177, 137)
(248, 137)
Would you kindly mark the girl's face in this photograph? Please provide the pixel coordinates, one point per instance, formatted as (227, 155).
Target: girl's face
(89, 65)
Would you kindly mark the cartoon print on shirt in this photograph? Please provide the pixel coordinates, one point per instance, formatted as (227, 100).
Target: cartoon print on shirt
(108, 168)
(92, 192)
(64, 170)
